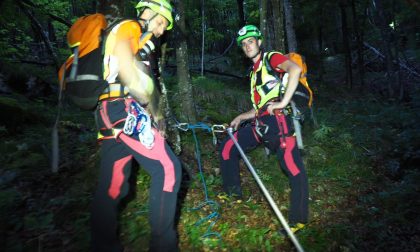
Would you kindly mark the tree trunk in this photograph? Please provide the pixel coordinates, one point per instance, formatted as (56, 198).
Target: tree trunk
(73, 8)
(278, 26)
(386, 34)
(241, 13)
(184, 81)
(203, 31)
(320, 41)
(290, 31)
(263, 21)
(399, 82)
(358, 30)
(172, 132)
(347, 53)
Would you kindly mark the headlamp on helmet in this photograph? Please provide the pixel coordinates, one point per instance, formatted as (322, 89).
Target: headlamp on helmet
(248, 31)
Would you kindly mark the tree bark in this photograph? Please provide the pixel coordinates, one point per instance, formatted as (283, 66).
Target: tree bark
(290, 30)
(263, 21)
(347, 53)
(241, 13)
(278, 26)
(172, 132)
(397, 56)
(320, 40)
(386, 34)
(203, 31)
(358, 30)
(184, 81)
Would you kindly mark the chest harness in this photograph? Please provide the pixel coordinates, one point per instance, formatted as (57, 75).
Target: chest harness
(267, 87)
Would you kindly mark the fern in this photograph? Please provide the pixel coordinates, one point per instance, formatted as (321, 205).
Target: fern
(321, 134)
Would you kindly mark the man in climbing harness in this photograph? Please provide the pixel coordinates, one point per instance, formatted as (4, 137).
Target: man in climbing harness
(124, 117)
(272, 124)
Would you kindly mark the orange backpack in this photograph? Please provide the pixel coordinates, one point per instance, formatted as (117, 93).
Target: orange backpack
(299, 60)
(81, 76)
(303, 96)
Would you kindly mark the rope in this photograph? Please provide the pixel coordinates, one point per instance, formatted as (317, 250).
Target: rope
(214, 206)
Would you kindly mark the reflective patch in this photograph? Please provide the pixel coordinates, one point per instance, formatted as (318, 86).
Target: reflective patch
(271, 84)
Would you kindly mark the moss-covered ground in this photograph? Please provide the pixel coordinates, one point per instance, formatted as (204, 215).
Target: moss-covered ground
(361, 158)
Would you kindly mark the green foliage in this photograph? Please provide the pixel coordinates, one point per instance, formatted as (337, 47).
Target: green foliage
(321, 134)
(252, 12)
(213, 35)
(361, 161)
(56, 7)
(14, 36)
(210, 93)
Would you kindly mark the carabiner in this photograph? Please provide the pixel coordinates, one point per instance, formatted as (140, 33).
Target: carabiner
(219, 128)
(183, 126)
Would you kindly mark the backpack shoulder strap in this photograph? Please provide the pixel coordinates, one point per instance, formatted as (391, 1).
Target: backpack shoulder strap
(266, 62)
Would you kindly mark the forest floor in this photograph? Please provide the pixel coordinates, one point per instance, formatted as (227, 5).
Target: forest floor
(361, 159)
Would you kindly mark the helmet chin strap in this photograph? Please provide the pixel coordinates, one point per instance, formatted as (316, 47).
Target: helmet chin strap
(145, 27)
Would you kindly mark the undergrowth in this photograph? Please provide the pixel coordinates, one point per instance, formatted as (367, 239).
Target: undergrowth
(361, 162)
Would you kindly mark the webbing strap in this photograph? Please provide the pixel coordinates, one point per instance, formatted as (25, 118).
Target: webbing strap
(114, 90)
(83, 77)
(301, 94)
(75, 63)
(114, 132)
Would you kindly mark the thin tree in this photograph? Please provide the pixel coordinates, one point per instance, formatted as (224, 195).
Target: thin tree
(346, 43)
(184, 81)
(290, 30)
(241, 13)
(263, 21)
(358, 31)
(164, 106)
(203, 31)
(397, 57)
(277, 40)
(320, 11)
(386, 33)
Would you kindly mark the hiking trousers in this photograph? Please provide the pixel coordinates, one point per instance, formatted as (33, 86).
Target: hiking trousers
(117, 157)
(280, 128)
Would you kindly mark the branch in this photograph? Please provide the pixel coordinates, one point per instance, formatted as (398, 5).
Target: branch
(41, 32)
(377, 52)
(226, 50)
(53, 17)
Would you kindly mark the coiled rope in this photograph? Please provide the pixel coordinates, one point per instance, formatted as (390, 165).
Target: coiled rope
(214, 206)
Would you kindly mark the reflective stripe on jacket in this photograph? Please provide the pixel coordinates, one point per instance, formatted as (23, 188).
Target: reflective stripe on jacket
(264, 86)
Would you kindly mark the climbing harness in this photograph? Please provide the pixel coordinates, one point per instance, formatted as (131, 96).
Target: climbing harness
(214, 206)
(139, 123)
(266, 193)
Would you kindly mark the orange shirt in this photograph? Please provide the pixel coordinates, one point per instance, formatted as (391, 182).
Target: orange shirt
(127, 30)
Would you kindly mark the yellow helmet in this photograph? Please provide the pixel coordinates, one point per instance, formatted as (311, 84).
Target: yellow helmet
(162, 7)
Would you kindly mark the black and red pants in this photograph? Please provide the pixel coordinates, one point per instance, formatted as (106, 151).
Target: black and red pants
(117, 157)
(280, 128)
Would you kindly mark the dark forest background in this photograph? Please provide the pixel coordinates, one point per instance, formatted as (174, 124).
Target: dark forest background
(361, 148)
